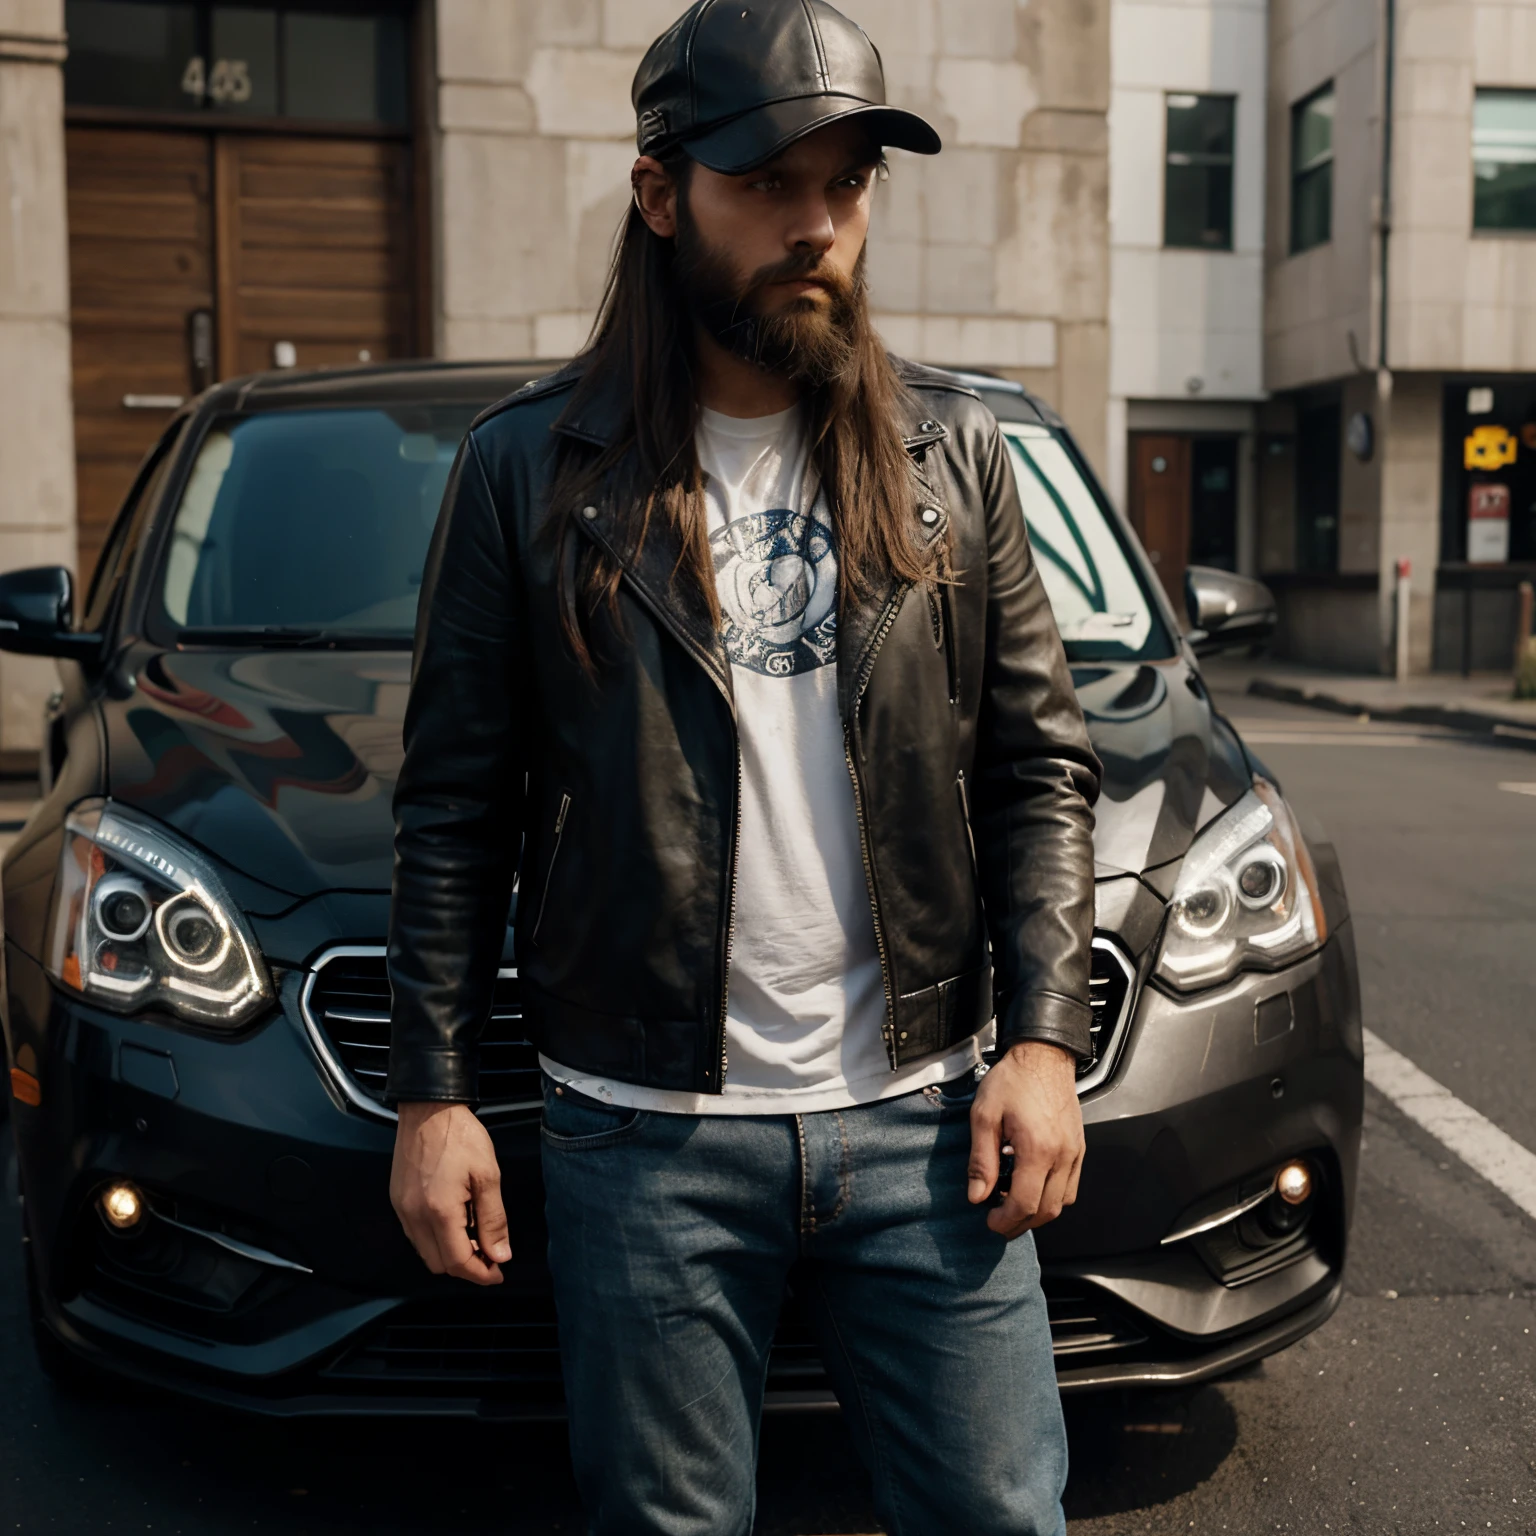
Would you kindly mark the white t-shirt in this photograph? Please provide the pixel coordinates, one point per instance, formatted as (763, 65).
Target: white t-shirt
(805, 999)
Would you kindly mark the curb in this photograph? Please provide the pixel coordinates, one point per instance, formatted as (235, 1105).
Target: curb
(1467, 722)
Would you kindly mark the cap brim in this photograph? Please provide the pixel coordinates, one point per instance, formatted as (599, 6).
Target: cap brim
(757, 136)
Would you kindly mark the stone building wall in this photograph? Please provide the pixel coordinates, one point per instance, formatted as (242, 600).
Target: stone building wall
(992, 255)
(1461, 299)
(1317, 300)
(37, 470)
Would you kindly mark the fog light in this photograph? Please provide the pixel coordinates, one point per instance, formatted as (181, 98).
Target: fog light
(122, 1206)
(1294, 1183)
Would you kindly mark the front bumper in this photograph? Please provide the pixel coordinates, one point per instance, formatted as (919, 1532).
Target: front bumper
(250, 1140)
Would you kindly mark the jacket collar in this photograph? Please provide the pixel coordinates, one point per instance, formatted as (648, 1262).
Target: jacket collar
(596, 418)
(651, 568)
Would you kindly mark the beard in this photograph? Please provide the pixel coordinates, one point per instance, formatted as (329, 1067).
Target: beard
(810, 343)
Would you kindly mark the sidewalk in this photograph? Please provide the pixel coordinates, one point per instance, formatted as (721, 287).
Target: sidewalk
(1479, 705)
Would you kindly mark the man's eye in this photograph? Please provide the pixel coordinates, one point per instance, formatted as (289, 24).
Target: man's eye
(768, 184)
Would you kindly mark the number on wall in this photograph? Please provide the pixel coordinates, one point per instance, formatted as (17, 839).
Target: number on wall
(228, 81)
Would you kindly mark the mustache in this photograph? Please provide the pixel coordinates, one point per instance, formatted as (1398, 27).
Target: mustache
(737, 319)
(803, 265)
(728, 312)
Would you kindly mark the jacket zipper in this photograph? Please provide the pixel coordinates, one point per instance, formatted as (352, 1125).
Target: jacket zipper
(724, 687)
(730, 928)
(549, 873)
(886, 620)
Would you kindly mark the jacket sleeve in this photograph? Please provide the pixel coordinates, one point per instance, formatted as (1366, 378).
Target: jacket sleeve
(1036, 778)
(459, 799)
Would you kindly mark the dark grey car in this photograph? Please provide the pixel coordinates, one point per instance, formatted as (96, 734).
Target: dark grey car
(195, 999)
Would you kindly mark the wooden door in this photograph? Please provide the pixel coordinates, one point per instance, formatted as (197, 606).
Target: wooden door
(140, 264)
(314, 251)
(1160, 501)
(272, 239)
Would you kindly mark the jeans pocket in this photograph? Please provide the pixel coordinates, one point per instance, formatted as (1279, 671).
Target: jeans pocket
(957, 1093)
(573, 1121)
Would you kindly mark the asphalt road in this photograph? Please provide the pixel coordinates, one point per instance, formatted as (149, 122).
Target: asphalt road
(1412, 1411)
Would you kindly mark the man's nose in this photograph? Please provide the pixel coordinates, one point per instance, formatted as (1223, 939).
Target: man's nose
(812, 228)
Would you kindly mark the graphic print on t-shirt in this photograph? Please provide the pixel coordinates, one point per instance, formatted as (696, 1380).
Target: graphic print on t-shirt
(776, 572)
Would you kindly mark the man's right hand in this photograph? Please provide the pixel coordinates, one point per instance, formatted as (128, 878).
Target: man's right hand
(444, 1162)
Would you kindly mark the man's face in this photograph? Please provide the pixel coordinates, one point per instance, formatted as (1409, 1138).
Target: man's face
(770, 260)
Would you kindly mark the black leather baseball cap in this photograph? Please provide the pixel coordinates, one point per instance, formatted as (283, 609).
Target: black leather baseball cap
(734, 82)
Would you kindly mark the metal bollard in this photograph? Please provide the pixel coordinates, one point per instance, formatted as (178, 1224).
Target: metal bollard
(1525, 646)
(1404, 578)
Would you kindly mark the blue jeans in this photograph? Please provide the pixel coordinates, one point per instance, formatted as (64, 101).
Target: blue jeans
(671, 1238)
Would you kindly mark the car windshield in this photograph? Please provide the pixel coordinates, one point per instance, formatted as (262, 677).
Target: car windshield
(317, 521)
(1101, 607)
(311, 520)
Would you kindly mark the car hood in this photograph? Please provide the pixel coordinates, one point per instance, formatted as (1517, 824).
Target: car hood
(1171, 763)
(282, 763)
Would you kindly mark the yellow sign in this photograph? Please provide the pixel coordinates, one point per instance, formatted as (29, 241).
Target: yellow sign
(1489, 448)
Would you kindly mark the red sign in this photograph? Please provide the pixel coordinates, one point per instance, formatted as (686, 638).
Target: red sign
(1488, 524)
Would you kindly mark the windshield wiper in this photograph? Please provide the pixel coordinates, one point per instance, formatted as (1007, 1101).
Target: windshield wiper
(286, 635)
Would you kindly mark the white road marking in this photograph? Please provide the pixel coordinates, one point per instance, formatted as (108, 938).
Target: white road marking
(1519, 789)
(1476, 1140)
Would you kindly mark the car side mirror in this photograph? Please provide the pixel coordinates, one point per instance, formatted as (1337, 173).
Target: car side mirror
(36, 612)
(1226, 611)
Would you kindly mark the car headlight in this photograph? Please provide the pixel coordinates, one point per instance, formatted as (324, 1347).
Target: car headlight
(1246, 895)
(141, 921)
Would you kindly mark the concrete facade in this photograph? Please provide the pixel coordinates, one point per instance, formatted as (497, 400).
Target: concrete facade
(1314, 302)
(992, 255)
(37, 465)
(1461, 301)
(1457, 300)
(1185, 325)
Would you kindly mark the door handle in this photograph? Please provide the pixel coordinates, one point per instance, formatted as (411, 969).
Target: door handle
(200, 348)
(152, 402)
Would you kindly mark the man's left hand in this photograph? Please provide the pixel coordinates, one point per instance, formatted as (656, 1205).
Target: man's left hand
(1028, 1102)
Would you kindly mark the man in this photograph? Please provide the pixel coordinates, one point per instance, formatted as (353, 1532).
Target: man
(731, 647)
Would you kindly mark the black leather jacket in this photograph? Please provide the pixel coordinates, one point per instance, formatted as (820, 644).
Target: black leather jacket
(617, 799)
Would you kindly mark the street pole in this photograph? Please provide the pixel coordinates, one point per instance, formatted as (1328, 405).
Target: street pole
(1525, 650)
(1404, 575)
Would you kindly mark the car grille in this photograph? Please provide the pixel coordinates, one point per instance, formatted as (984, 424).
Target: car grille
(1109, 988)
(509, 1347)
(349, 1004)
(1081, 1325)
(349, 1001)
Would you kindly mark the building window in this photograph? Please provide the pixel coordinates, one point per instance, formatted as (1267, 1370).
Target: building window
(1197, 179)
(1213, 502)
(1317, 488)
(1504, 160)
(331, 61)
(1312, 170)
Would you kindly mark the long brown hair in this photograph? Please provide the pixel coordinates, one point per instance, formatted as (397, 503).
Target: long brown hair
(644, 337)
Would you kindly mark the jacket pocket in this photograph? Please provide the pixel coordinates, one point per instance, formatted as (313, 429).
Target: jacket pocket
(970, 834)
(549, 872)
(951, 649)
(941, 618)
(935, 616)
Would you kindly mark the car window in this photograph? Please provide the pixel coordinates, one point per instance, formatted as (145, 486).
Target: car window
(311, 519)
(127, 533)
(1102, 608)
